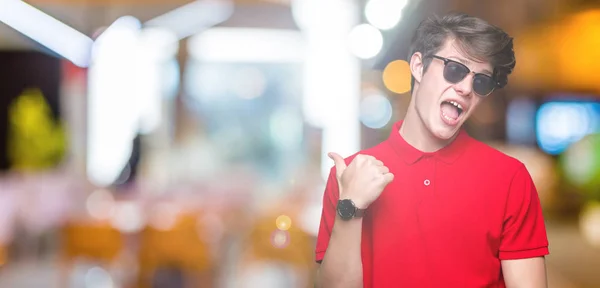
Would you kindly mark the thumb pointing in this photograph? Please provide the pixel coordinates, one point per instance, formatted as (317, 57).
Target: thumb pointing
(340, 165)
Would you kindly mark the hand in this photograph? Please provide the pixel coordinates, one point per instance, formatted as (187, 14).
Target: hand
(363, 180)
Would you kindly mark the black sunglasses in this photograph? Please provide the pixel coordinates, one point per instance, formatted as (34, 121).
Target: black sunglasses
(454, 72)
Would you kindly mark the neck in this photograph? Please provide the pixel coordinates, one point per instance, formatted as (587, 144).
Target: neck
(416, 134)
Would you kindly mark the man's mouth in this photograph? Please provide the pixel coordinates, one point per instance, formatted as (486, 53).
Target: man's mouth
(451, 110)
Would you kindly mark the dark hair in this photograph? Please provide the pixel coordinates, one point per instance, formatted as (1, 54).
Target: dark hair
(475, 37)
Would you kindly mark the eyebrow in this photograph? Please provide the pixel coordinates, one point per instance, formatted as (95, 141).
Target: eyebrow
(467, 63)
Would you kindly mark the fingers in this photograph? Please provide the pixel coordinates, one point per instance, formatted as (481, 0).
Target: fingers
(360, 160)
(368, 159)
(383, 169)
(340, 165)
(364, 158)
(388, 177)
(384, 174)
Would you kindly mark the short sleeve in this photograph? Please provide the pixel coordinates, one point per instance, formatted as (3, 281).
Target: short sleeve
(328, 213)
(524, 231)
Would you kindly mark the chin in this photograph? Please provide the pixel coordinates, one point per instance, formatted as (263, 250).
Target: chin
(443, 131)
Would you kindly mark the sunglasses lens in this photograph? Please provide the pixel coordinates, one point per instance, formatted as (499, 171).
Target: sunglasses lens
(455, 72)
(483, 85)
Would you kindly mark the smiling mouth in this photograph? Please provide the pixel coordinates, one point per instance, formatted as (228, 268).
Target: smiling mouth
(451, 110)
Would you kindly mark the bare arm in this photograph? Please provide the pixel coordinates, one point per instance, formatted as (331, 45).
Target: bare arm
(525, 273)
(342, 264)
(362, 182)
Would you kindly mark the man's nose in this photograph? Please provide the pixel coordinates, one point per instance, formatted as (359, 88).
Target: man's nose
(465, 86)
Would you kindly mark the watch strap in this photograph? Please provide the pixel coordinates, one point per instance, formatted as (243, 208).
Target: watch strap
(359, 213)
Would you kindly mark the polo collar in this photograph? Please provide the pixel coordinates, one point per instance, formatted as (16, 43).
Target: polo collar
(411, 155)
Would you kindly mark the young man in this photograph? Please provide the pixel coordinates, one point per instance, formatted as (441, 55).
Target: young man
(431, 206)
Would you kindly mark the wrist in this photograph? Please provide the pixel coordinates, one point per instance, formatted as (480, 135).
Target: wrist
(347, 209)
(339, 219)
(358, 201)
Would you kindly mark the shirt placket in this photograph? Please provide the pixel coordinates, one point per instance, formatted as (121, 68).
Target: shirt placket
(423, 211)
(428, 175)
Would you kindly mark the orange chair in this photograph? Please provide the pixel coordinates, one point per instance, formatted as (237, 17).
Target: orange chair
(3, 256)
(179, 246)
(95, 241)
(293, 246)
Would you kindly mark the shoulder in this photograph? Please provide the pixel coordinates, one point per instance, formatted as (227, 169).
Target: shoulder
(492, 159)
(502, 174)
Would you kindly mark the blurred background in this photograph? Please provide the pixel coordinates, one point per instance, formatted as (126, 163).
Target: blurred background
(149, 143)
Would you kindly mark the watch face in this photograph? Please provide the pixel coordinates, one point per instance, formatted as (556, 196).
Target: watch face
(346, 209)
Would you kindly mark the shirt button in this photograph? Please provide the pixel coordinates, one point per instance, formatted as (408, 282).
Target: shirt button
(426, 182)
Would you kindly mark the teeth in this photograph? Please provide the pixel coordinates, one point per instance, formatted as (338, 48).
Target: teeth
(447, 118)
(456, 104)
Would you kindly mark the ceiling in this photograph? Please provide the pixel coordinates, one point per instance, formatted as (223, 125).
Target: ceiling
(84, 18)
(88, 19)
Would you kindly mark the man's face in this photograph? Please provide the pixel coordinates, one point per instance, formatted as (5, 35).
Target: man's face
(443, 106)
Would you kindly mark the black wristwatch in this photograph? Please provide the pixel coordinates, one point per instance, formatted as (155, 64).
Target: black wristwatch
(347, 210)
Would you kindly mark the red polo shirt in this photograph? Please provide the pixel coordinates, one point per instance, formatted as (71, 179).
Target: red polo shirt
(448, 218)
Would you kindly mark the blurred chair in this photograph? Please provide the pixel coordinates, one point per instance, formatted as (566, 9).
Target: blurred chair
(3, 255)
(290, 248)
(175, 252)
(95, 241)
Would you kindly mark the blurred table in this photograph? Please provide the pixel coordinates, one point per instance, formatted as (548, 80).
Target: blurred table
(571, 257)
(571, 264)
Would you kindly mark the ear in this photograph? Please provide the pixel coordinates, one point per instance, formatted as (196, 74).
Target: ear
(416, 66)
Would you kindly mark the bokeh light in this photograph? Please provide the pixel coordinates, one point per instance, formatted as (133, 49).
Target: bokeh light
(581, 163)
(559, 124)
(164, 216)
(365, 41)
(97, 277)
(100, 204)
(375, 111)
(283, 222)
(384, 14)
(127, 217)
(397, 76)
(280, 239)
(590, 223)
